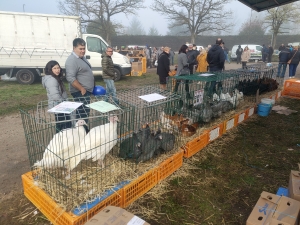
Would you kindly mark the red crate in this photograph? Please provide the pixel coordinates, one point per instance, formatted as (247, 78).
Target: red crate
(215, 132)
(169, 166)
(56, 214)
(195, 145)
(139, 186)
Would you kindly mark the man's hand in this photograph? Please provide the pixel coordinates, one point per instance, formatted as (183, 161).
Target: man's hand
(83, 91)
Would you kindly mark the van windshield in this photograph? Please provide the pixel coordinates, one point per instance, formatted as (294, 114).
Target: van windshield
(95, 45)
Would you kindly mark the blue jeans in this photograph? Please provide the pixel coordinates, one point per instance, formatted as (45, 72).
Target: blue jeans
(281, 73)
(82, 111)
(111, 90)
(292, 69)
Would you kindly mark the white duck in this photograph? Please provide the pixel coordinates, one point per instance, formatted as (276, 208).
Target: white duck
(62, 145)
(97, 143)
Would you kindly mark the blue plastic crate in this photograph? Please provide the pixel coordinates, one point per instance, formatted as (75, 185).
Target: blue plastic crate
(283, 192)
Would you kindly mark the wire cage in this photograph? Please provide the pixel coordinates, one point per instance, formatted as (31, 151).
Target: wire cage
(157, 123)
(207, 95)
(257, 79)
(76, 165)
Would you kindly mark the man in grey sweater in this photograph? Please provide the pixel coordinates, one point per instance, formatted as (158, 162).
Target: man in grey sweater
(80, 77)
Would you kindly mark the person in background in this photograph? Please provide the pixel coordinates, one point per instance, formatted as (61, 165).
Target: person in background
(163, 68)
(202, 63)
(80, 76)
(265, 53)
(226, 50)
(195, 49)
(283, 58)
(216, 57)
(172, 54)
(271, 51)
(182, 60)
(281, 47)
(56, 93)
(238, 53)
(294, 56)
(148, 56)
(108, 74)
(159, 51)
(192, 58)
(153, 56)
(245, 57)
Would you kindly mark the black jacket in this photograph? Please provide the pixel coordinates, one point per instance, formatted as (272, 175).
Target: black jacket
(216, 57)
(284, 55)
(163, 67)
(295, 57)
(239, 51)
(192, 56)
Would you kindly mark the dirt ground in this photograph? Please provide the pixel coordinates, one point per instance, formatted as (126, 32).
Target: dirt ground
(14, 162)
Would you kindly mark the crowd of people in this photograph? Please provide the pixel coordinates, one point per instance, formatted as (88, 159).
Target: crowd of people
(289, 55)
(191, 60)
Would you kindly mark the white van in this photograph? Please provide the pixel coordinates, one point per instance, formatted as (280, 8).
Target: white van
(255, 51)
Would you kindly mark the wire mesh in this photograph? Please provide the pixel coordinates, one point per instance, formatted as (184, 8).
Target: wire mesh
(74, 166)
(156, 128)
(207, 95)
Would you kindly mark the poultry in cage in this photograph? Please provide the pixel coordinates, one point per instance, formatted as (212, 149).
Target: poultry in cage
(96, 144)
(62, 146)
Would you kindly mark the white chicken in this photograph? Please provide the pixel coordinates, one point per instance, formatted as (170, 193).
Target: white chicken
(62, 145)
(216, 97)
(97, 143)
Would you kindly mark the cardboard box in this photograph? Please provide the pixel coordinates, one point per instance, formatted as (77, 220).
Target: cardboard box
(294, 185)
(271, 208)
(112, 215)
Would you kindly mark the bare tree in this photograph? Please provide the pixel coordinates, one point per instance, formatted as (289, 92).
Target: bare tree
(100, 12)
(276, 17)
(197, 15)
(252, 27)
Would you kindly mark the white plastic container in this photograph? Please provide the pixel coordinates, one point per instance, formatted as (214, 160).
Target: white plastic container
(268, 101)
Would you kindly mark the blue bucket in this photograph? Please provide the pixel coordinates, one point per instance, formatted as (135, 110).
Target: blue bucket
(264, 109)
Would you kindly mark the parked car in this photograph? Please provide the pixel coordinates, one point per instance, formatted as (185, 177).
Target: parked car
(255, 51)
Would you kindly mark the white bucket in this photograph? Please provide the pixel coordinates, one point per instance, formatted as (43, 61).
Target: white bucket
(268, 101)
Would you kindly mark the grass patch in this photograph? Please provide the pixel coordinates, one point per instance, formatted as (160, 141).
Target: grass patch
(15, 96)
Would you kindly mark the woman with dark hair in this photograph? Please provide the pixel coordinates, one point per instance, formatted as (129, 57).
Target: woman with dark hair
(56, 93)
(182, 60)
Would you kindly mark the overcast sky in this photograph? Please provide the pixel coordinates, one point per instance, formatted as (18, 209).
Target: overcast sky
(147, 17)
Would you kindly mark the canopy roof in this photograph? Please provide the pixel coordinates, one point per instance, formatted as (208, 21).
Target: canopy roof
(261, 5)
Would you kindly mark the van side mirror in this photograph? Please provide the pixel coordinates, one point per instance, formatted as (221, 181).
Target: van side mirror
(87, 57)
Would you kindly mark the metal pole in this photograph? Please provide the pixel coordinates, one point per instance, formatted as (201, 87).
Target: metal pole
(23, 7)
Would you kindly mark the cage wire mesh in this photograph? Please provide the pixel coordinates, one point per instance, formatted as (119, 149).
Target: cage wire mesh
(156, 124)
(257, 79)
(75, 167)
(207, 95)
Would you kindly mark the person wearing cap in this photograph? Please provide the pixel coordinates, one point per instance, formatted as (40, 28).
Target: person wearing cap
(216, 56)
